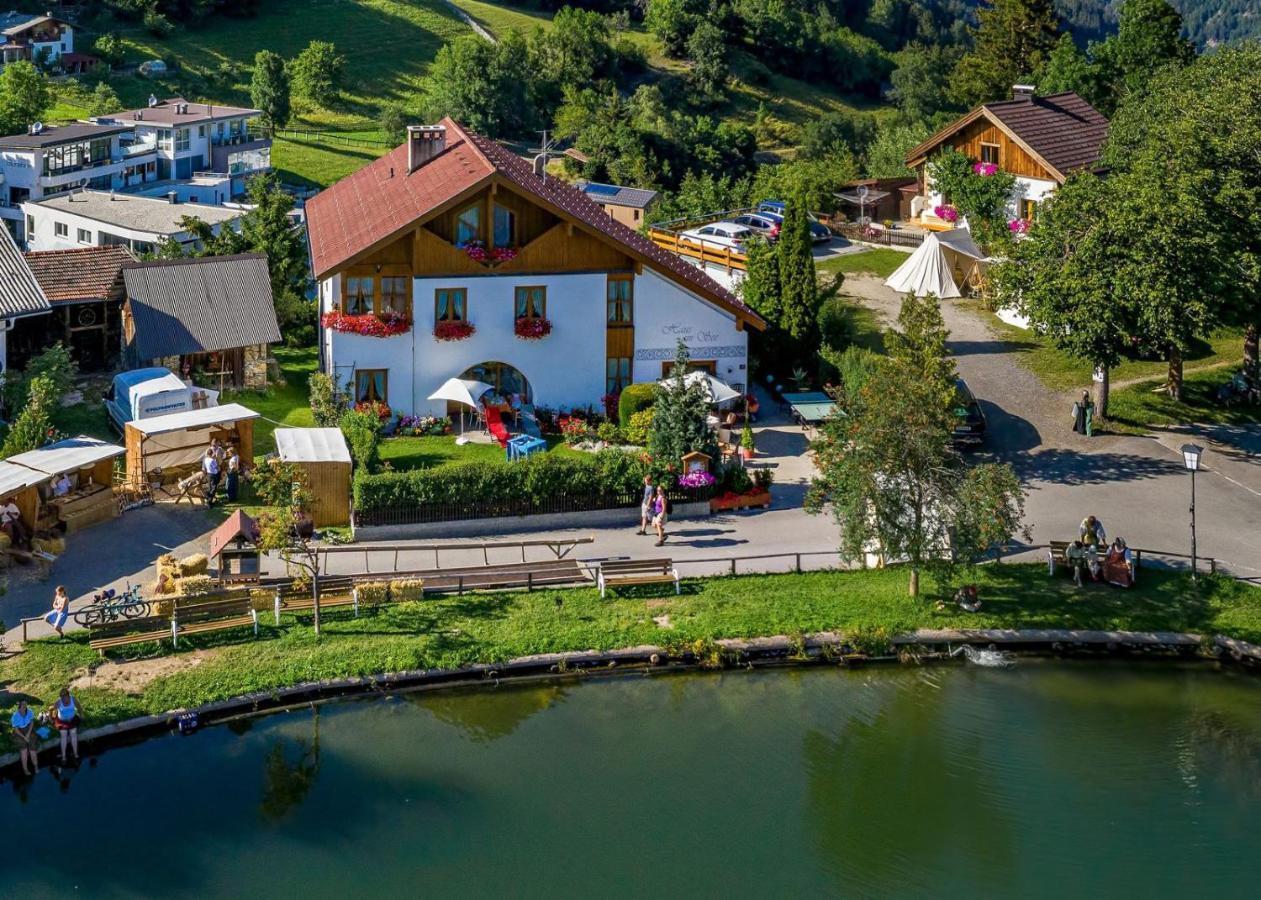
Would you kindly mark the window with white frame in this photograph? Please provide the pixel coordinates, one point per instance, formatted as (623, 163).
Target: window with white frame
(181, 139)
(61, 229)
(84, 236)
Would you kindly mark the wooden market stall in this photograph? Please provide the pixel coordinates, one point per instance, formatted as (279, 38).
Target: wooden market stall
(234, 547)
(20, 486)
(163, 449)
(323, 455)
(87, 497)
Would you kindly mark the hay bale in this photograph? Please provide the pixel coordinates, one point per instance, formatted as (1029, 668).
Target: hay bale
(371, 591)
(196, 586)
(406, 590)
(262, 600)
(197, 564)
(5, 541)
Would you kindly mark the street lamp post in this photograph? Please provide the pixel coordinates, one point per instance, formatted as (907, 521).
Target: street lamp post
(1191, 459)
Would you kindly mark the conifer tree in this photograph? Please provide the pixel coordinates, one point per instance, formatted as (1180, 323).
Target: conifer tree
(1011, 43)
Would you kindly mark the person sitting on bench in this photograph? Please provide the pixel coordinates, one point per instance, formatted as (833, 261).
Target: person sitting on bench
(1075, 556)
(11, 524)
(62, 485)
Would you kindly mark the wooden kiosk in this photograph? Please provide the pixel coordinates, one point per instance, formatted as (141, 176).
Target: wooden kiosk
(87, 465)
(234, 547)
(322, 454)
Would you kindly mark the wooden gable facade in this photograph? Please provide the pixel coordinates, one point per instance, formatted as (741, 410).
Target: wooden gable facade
(545, 243)
(981, 138)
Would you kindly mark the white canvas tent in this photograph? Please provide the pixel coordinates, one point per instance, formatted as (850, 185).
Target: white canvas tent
(939, 265)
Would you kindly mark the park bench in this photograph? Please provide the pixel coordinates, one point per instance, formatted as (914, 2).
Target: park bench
(336, 592)
(217, 615)
(624, 572)
(123, 632)
(528, 575)
(1056, 556)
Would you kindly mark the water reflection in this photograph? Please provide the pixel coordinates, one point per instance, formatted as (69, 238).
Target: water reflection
(488, 715)
(291, 768)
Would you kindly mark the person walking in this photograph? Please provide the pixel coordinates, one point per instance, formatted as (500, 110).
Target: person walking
(210, 465)
(1084, 415)
(660, 510)
(234, 474)
(23, 723)
(60, 612)
(66, 717)
(645, 506)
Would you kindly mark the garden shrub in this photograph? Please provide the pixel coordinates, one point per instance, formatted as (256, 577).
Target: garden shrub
(532, 480)
(363, 435)
(635, 398)
(640, 427)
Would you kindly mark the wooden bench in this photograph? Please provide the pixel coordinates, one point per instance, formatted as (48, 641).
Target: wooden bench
(336, 592)
(1056, 555)
(217, 615)
(621, 572)
(122, 632)
(528, 575)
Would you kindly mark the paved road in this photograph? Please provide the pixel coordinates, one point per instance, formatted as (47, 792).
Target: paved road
(1136, 485)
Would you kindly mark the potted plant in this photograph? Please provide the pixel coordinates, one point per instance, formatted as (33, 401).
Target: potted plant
(746, 442)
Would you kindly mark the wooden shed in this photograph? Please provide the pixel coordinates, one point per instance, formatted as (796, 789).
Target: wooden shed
(323, 455)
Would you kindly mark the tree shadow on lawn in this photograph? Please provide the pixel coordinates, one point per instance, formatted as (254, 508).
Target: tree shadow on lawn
(1160, 601)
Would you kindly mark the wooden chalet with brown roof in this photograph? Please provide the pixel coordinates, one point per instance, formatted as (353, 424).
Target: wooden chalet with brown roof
(1039, 140)
(451, 257)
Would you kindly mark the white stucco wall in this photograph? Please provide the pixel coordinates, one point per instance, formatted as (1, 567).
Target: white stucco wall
(1035, 189)
(566, 368)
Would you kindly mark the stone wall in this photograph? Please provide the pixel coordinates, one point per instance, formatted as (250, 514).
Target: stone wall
(255, 375)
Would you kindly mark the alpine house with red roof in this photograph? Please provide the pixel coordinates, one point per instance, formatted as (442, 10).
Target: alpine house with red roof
(450, 257)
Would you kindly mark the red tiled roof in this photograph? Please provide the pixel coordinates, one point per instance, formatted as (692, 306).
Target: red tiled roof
(1063, 129)
(84, 273)
(382, 199)
(234, 526)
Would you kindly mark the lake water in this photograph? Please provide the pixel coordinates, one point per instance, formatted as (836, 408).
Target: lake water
(1049, 779)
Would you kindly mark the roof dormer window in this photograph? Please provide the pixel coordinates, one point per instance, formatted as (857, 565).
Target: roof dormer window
(468, 226)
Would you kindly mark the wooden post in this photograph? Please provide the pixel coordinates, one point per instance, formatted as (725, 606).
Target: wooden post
(1212, 565)
(277, 605)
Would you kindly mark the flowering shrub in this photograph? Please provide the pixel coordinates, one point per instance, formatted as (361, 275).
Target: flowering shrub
(610, 402)
(423, 425)
(986, 169)
(385, 325)
(532, 329)
(381, 410)
(1018, 226)
(946, 213)
(453, 331)
(697, 480)
(575, 430)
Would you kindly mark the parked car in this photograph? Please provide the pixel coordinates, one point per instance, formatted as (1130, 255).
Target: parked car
(719, 234)
(764, 223)
(819, 232)
(969, 428)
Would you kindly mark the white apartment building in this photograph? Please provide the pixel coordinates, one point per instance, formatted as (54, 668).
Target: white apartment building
(190, 138)
(101, 219)
(51, 160)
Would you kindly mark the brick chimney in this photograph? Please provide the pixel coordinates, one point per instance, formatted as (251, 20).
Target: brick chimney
(1023, 91)
(424, 142)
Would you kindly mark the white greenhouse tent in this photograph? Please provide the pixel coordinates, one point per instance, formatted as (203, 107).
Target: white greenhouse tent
(940, 265)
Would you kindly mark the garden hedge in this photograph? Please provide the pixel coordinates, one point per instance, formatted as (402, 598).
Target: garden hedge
(533, 479)
(635, 398)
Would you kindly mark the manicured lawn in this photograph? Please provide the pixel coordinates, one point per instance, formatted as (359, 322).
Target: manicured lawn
(1138, 406)
(287, 404)
(88, 417)
(1060, 371)
(879, 261)
(454, 631)
(404, 453)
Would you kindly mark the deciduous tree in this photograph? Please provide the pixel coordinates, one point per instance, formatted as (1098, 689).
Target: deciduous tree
(24, 96)
(317, 72)
(707, 48)
(482, 85)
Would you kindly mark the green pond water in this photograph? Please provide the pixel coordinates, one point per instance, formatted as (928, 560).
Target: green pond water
(1048, 779)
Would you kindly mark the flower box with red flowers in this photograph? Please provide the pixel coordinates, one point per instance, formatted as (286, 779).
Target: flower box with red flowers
(381, 410)
(385, 325)
(476, 251)
(732, 500)
(453, 331)
(532, 329)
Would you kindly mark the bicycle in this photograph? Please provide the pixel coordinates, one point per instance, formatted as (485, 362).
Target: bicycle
(109, 606)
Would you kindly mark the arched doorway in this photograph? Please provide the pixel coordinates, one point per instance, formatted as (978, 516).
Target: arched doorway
(506, 380)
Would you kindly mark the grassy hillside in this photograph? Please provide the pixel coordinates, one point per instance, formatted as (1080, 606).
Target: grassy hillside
(389, 45)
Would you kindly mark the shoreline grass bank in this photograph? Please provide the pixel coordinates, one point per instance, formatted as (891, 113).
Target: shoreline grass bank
(451, 632)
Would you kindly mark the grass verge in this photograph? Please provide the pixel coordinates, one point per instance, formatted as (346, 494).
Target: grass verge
(1135, 408)
(451, 631)
(878, 261)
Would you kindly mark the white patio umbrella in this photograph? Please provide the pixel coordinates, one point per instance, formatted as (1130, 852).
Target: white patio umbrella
(465, 391)
(716, 392)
